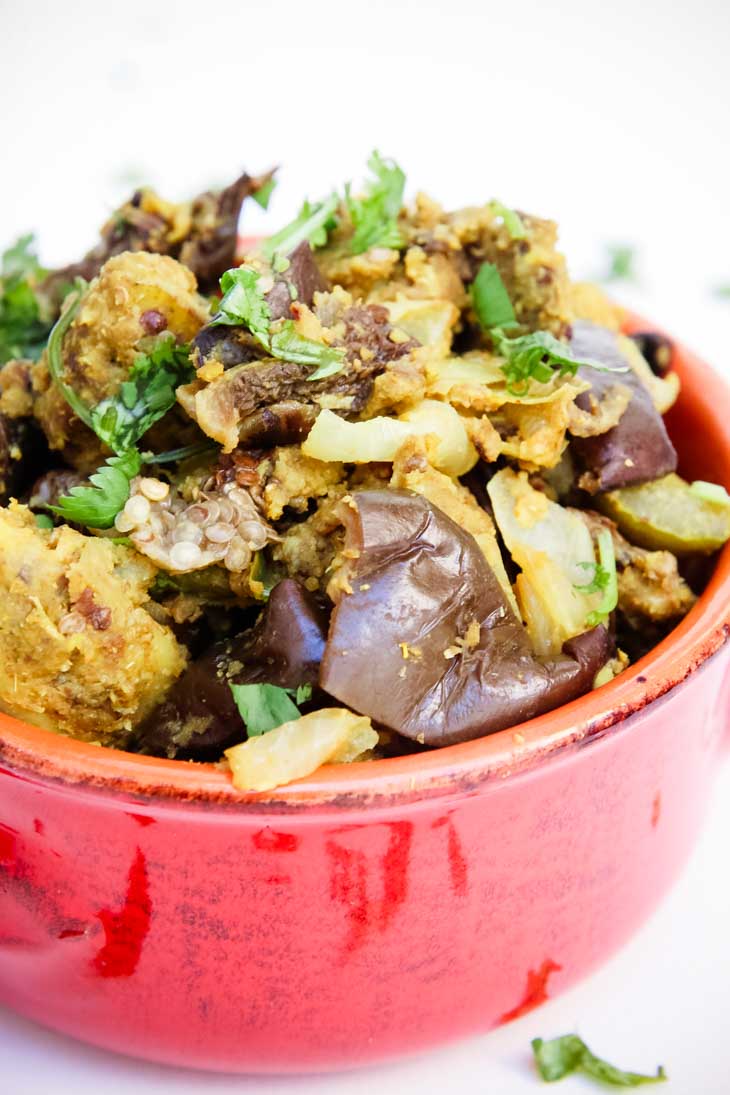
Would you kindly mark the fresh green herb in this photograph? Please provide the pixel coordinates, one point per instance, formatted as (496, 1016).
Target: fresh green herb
(604, 580)
(722, 291)
(303, 693)
(42, 520)
(144, 397)
(244, 304)
(55, 346)
(96, 506)
(313, 223)
(538, 356)
(23, 331)
(375, 215)
(185, 452)
(287, 345)
(263, 194)
(491, 300)
(511, 220)
(621, 263)
(263, 707)
(559, 1057)
(710, 492)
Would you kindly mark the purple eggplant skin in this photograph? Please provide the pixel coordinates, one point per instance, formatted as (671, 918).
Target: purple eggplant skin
(638, 448)
(657, 350)
(300, 281)
(420, 580)
(199, 718)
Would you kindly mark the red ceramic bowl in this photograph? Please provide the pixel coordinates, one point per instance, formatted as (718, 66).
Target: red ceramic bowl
(373, 909)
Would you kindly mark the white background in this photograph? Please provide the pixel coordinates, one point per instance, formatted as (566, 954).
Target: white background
(613, 119)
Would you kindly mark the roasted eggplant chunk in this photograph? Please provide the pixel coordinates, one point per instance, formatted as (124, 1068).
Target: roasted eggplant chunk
(638, 447)
(199, 718)
(426, 642)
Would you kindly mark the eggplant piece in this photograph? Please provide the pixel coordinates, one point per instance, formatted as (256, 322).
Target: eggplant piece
(199, 718)
(222, 407)
(23, 451)
(635, 450)
(657, 350)
(300, 281)
(426, 644)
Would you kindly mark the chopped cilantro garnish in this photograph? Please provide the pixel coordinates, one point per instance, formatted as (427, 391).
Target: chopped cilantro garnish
(604, 580)
(23, 331)
(146, 395)
(263, 707)
(621, 263)
(538, 356)
(559, 1057)
(511, 220)
(312, 223)
(244, 303)
(98, 505)
(42, 520)
(263, 194)
(491, 300)
(374, 216)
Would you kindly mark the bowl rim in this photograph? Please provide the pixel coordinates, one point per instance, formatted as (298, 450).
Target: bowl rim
(33, 753)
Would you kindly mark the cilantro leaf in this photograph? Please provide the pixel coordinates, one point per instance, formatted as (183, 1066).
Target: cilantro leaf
(55, 346)
(537, 356)
(559, 1057)
(491, 300)
(375, 215)
(288, 345)
(312, 223)
(263, 707)
(244, 303)
(511, 220)
(96, 506)
(23, 330)
(20, 260)
(145, 396)
(604, 581)
(263, 194)
(621, 263)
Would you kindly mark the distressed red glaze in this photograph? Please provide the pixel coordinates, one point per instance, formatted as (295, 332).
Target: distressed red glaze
(371, 910)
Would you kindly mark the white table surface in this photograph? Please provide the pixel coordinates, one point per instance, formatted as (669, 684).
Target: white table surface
(612, 118)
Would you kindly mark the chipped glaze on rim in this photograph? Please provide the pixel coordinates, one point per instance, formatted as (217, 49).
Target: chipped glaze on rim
(32, 753)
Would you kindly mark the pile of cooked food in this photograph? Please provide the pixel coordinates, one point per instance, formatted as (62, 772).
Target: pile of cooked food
(386, 481)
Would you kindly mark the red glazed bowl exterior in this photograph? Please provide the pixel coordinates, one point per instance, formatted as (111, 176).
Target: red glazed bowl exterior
(374, 909)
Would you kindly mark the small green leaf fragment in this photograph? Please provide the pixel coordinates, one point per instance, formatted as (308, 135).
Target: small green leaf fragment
(559, 1057)
(511, 220)
(263, 195)
(263, 707)
(491, 300)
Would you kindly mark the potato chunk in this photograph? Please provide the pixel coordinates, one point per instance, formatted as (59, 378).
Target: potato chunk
(78, 652)
(135, 295)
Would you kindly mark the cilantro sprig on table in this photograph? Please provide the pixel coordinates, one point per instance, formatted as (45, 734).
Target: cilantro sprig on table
(23, 330)
(263, 707)
(119, 421)
(244, 304)
(535, 356)
(559, 1057)
(604, 580)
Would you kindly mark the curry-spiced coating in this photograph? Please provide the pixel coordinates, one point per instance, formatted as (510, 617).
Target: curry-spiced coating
(79, 652)
(136, 296)
(396, 470)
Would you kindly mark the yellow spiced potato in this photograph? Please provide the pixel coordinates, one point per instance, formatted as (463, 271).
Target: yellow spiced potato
(386, 480)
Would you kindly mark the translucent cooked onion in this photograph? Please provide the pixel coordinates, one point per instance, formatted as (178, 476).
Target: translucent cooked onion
(430, 322)
(297, 748)
(378, 439)
(550, 545)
